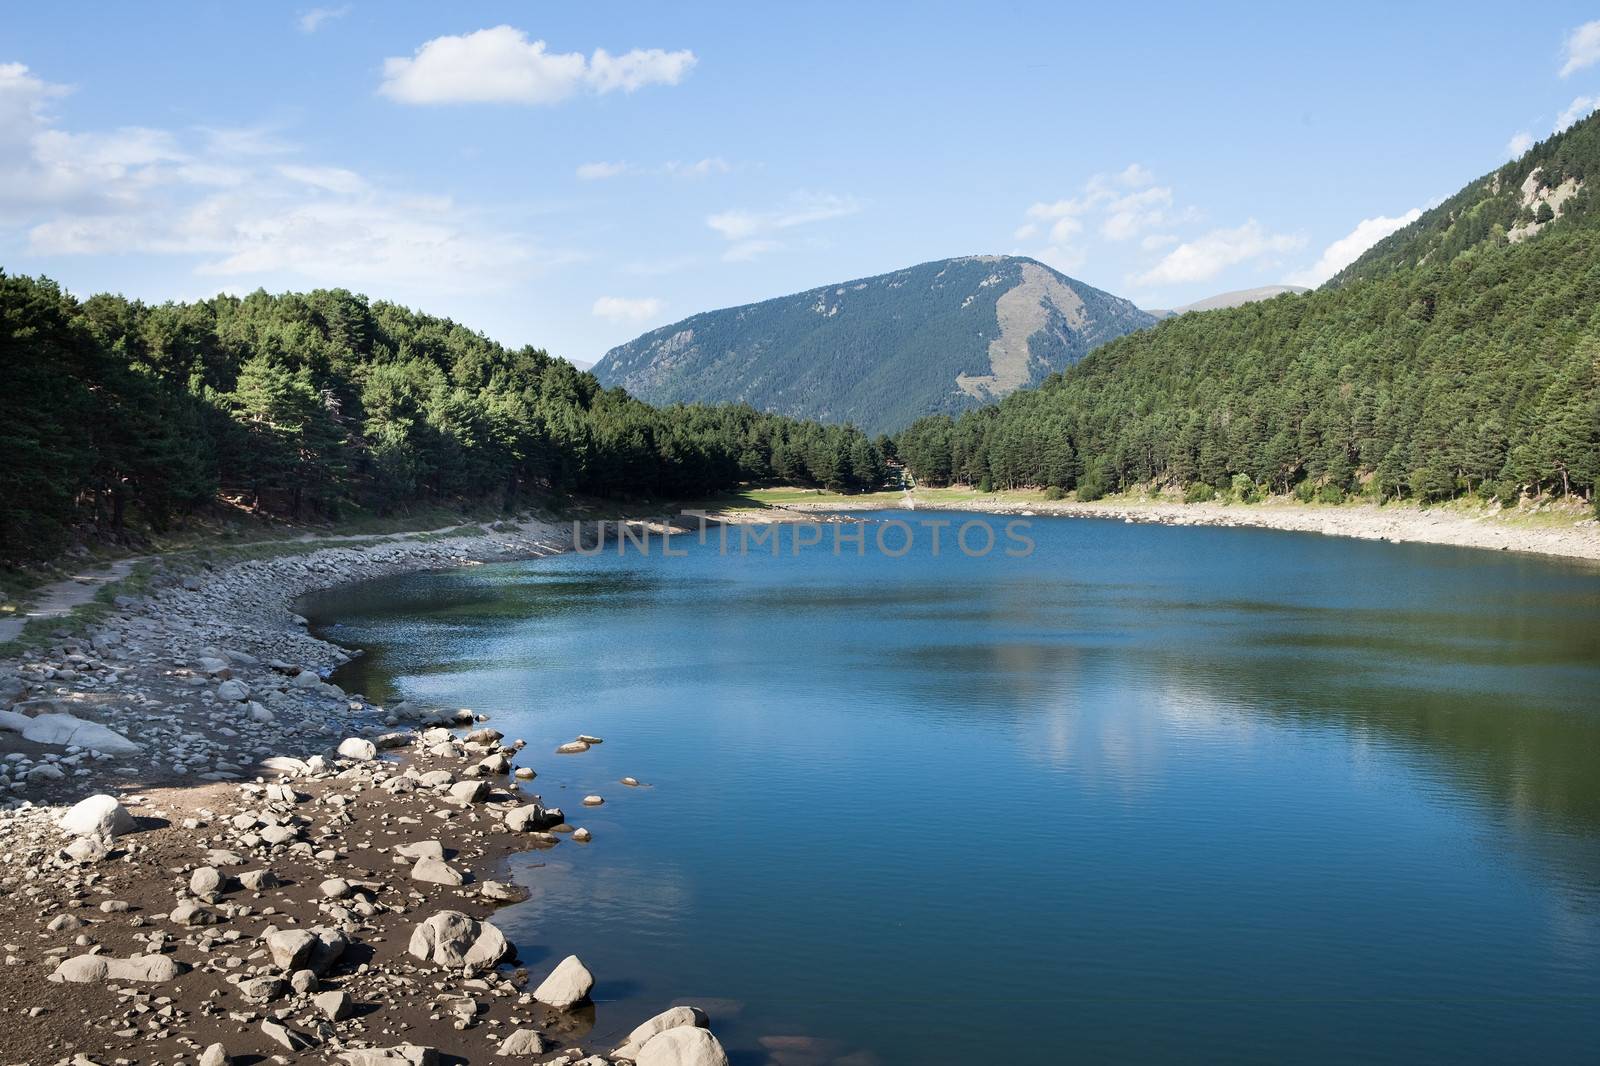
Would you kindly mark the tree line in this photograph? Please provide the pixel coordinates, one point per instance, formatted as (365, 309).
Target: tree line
(1460, 355)
(1480, 375)
(317, 404)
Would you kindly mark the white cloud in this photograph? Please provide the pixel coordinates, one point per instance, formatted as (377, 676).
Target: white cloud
(1120, 206)
(700, 168)
(620, 308)
(1127, 216)
(1063, 217)
(246, 140)
(1208, 255)
(600, 171)
(1344, 251)
(753, 232)
(638, 68)
(747, 251)
(312, 20)
(1582, 48)
(330, 179)
(1063, 257)
(501, 65)
(1135, 176)
(1580, 108)
(231, 204)
(650, 268)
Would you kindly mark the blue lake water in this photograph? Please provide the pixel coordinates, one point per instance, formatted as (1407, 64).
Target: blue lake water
(1145, 795)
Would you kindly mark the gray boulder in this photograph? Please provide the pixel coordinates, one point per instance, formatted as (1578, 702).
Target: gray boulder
(233, 691)
(400, 1055)
(306, 949)
(470, 791)
(336, 1005)
(97, 816)
(436, 871)
(452, 939)
(682, 1046)
(522, 1042)
(207, 883)
(359, 749)
(672, 1018)
(95, 969)
(568, 985)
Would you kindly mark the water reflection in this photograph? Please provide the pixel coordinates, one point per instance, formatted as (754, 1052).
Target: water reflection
(1279, 798)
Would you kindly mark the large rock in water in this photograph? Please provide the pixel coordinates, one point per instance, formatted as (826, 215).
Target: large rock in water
(531, 817)
(683, 1046)
(452, 939)
(98, 815)
(568, 985)
(671, 1018)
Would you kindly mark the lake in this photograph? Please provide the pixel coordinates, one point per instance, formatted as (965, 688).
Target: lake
(1146, 794)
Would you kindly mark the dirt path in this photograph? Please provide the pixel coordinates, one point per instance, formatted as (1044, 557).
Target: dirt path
(58, 600)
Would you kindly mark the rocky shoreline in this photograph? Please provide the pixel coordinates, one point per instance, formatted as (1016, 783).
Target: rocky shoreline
(213, 855)
(1574, 536)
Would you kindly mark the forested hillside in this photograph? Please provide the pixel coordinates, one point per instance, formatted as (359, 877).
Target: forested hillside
(1460, 355)
(879, 352)
(302, 405)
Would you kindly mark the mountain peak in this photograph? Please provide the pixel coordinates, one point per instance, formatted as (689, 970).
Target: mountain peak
(880, 351)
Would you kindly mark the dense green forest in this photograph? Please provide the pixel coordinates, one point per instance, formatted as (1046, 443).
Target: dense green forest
(1460, 355)
(113, 412)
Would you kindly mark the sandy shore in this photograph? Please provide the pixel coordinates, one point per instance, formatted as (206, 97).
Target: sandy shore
(1570, 533)
(212, 855)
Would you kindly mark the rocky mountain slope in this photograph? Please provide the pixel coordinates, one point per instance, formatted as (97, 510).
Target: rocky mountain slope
(1550, 187)
(880, 352)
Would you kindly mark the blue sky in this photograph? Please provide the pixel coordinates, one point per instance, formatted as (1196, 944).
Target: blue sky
(648, 161)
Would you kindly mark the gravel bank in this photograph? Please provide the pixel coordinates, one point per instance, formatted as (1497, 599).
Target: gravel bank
(1572, 534)
(212, 855)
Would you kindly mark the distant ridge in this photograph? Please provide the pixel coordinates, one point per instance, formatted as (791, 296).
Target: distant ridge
(880, 352)
(1236, 298)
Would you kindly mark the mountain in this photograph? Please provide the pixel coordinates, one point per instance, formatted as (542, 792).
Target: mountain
(1460, 355)
(1548, 188)
(878, 352)
(1236, 298)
